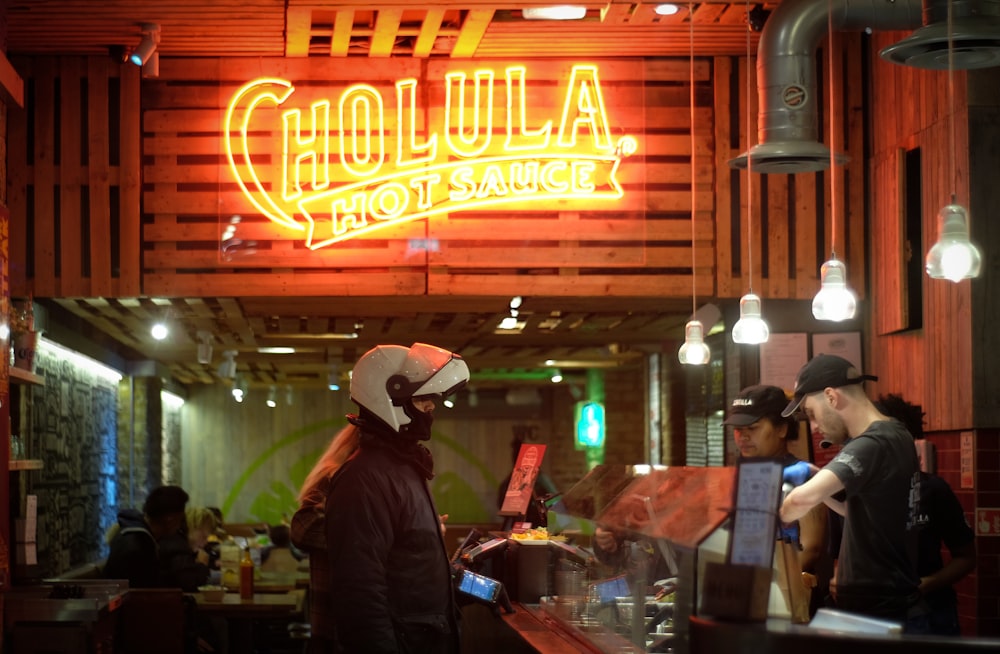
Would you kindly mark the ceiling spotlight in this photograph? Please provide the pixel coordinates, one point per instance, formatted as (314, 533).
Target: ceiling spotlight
(556, 376)
(227, 369)
(473, 396)
(555, 12)
(159, 331)
(272, 397)
(205, 340)
(289, 395)
(333, 378)
(240, 388)
(448, 403)
(666, 9)
(146, 47)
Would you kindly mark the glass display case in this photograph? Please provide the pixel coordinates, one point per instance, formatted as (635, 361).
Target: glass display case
(676, 516)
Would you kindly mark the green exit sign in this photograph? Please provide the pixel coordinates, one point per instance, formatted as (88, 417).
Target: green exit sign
(589, 424)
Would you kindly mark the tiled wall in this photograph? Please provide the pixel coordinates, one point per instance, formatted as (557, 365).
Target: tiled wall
(71, 425)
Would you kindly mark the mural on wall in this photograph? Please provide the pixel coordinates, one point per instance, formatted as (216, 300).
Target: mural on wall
(274, 501)
(71, 425)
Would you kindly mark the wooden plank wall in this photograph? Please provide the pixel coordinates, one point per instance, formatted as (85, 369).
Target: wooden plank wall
(792, 228)
(637, 246)
(73, 179)
(931, 366)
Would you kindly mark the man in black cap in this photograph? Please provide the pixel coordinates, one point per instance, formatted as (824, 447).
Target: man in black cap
(878, 468)
(760, 430)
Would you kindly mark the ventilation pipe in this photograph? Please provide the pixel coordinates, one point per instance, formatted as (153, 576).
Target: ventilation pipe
(975, 37)
(788, 133)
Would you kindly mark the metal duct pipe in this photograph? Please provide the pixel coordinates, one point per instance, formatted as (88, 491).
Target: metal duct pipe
(974, 35)
(787, 130)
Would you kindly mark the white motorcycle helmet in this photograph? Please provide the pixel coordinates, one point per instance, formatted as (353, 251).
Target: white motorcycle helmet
(387, 376)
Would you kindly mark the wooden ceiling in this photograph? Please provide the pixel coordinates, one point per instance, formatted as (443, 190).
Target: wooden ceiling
(574, 332)
(397, 28)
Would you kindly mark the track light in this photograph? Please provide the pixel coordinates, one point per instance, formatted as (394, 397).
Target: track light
(147, 46)
(556, 376)
(205, 340)
(333, 378)
(152, 66)
(240, 388)
(227, 369)
(272, 397)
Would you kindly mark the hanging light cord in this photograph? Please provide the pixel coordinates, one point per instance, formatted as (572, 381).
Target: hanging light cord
(694, 194)
(749, 159)
(951, 108)
(833, 156)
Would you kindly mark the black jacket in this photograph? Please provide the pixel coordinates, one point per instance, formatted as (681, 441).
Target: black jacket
(133, 553)
(390, 577)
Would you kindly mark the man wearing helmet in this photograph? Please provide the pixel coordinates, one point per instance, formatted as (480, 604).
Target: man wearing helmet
(390, 574)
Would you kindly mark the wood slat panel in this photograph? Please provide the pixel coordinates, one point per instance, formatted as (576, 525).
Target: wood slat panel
(69, 260)
(889, 280)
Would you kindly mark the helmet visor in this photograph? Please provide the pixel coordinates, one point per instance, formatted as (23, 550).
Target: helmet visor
(431, 371)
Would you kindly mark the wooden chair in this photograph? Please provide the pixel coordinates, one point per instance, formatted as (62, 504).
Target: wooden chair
(151, 622)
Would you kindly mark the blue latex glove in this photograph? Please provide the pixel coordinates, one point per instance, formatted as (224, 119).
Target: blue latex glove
(797, 473)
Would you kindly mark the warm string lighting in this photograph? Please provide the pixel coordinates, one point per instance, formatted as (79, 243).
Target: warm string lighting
(750, 329)
(835, 301)
(953, 256)
(694, 351)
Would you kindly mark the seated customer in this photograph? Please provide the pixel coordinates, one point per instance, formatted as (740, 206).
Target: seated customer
(278, 557)
(183, 558)
(134, 551)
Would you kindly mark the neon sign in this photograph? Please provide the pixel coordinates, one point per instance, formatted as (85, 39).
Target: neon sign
(451, 167)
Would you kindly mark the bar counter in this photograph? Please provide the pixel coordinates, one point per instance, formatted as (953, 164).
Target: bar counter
(529, 630)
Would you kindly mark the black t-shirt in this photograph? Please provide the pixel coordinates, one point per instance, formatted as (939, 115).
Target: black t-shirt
(876, 573)
(942, 520)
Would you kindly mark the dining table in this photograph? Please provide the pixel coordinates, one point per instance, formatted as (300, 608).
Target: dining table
(273, 581)
(240, 615)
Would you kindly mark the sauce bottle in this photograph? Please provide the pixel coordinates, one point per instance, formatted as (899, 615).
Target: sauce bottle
(246, 576)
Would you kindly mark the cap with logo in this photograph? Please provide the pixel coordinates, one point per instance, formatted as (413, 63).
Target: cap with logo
(824, 371)
(754, 403)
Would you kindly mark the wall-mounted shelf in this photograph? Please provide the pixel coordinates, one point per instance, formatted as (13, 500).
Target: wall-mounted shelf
(22, 376)
(25, 464)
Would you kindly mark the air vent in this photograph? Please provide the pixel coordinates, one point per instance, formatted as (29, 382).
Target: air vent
(787, 157)
(976, 43)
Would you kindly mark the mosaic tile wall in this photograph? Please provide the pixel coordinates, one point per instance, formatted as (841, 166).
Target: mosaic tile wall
(70, 423)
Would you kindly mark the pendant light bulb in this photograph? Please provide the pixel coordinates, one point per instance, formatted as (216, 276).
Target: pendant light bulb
(694, 352)
(953, 257)
(750, 329)
(834, 301)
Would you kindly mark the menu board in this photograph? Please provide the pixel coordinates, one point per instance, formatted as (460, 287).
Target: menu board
(758, 490)
(522, 479)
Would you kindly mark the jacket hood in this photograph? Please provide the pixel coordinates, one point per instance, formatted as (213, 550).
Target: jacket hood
(131, 518)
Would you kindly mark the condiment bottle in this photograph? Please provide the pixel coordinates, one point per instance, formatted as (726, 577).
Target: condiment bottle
(246, 576)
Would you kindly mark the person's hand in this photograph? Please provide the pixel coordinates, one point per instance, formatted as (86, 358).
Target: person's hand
(797, 474)
(605, 539)
(443, 518)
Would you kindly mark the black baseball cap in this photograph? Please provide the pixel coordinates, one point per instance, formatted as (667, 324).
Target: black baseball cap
(824, 371)
(754, 403)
